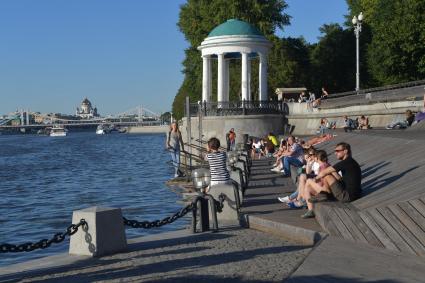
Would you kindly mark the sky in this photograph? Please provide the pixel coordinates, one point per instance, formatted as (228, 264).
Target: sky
(118, 53)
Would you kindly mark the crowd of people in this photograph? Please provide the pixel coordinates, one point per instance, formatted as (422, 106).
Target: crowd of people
(317, 179)
(311, 99)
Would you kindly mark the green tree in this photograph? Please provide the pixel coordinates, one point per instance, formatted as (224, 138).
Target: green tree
(396, 52)
(333, 59)
(289, 64)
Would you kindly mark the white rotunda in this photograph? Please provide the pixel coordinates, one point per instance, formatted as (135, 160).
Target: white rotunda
(234, 39)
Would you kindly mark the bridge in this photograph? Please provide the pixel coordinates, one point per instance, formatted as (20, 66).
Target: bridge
(137, 116)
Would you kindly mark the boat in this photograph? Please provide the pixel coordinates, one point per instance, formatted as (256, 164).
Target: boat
(58, 131)
(111, 129)
(100, 130)
(44, 131)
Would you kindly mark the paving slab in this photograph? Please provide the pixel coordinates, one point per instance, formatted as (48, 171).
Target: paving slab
(338, 260)
(232, 255)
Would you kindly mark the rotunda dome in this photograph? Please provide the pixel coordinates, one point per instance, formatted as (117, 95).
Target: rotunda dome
(235, 27)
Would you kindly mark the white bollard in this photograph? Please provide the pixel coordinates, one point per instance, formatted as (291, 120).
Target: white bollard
(105, 233)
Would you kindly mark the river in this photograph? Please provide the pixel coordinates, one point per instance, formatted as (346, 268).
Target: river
(44, 179)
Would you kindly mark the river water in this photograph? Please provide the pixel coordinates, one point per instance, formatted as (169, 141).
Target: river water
(44, 179)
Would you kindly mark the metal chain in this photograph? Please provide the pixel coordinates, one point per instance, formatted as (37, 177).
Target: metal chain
(44, 243)
(166, 220)
(219, 204)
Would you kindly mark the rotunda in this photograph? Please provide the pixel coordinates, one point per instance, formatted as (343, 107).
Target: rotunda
(234, 39)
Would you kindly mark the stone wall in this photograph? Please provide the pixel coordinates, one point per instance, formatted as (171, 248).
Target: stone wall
(218, 126)
(306, 121)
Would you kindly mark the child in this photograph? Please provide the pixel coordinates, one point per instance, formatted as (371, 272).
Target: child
(217, 161)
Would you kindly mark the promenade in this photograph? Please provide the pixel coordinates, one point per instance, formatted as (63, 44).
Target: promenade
(339, 246)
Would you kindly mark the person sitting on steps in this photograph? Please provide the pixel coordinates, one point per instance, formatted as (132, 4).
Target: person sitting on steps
(217, 161)
(343, 180)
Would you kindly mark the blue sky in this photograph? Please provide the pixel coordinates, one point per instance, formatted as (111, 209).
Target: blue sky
(119, 54)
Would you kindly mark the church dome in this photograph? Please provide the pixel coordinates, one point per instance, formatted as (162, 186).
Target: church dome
(86, 102)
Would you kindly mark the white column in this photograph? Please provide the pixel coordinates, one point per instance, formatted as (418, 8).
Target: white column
(249, 80)
(220, 79)
(245, 78)
(263, 77)
(226, 80)
(209, 80)
(206, 79)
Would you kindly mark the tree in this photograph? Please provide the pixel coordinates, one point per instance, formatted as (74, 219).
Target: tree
(289, 64)
(333, 63)
(396, 52)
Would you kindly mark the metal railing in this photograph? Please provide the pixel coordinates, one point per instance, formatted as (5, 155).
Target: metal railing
(237, 108)
(376, 89)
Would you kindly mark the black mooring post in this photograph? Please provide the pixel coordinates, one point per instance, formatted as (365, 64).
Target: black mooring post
(204, 223)
(194, 212)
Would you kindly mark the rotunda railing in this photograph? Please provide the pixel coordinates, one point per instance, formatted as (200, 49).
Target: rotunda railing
(234, 108)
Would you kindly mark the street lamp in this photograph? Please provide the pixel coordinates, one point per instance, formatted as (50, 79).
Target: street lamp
(357, 23)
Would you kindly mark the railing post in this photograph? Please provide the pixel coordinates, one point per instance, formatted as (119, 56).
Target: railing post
(189, 130)
(200, 123)
(243, 107)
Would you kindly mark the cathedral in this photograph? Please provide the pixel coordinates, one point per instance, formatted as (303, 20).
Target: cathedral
(86, 111)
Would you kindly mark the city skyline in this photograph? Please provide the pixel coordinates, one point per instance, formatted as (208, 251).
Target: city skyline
(54, 53)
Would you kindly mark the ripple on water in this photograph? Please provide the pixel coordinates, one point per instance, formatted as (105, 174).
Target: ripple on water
(44, 180)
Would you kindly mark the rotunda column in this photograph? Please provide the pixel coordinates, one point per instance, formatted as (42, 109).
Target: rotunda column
(245, 77)
(206, 78)
(263, 77)
(220, 78)
(226, 80)
(249, 80)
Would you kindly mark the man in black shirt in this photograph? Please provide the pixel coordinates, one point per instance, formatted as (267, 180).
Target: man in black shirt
(348, 187)
(343, 179)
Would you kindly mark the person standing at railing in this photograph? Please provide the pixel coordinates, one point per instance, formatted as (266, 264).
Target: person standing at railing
(231, 139)
(174, 141)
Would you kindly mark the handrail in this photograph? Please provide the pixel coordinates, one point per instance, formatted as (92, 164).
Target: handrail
(231, 108)
(376, 89)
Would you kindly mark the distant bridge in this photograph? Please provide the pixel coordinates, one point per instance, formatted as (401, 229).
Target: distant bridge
(137, 116)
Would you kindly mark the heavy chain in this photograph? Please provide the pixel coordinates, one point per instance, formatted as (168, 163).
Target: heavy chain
(45, 243)
(219, 204)
(166, 220)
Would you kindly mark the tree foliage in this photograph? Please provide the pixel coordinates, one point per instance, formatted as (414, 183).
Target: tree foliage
(396, 52)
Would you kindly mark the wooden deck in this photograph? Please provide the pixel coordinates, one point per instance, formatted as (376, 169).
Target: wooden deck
(378, 238)
(391, 214)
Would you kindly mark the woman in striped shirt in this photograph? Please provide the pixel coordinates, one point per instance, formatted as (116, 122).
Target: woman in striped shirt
(217, 160)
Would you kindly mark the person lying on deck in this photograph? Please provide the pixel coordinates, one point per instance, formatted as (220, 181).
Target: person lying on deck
(343, 180)
(319, 139)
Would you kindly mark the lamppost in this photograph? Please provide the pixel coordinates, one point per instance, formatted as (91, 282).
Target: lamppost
(357, 23)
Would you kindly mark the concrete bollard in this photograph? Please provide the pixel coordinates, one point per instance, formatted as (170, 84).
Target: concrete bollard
(105, 233)
(230, 209)
(236, 175)
(241, 165)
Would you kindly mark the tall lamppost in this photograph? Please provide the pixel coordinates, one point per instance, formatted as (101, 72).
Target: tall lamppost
(357, 23)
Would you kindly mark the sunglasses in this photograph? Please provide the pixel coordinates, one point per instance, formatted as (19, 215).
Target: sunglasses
(338, 150)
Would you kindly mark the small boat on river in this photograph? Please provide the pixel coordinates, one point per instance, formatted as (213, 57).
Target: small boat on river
(100, 130)
(103, 129)
(58, 131)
